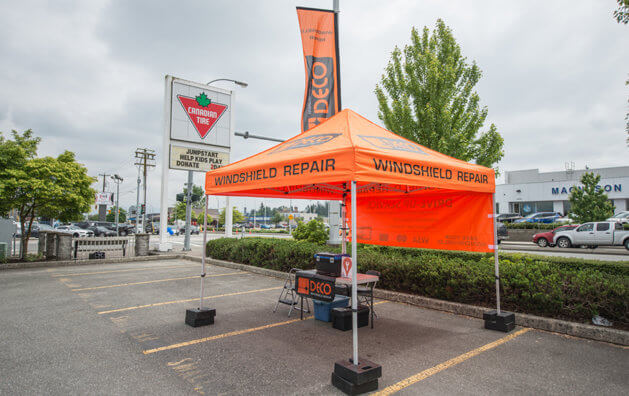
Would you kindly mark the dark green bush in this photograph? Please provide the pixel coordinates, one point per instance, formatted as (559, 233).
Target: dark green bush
(313, 231)
(562, 288)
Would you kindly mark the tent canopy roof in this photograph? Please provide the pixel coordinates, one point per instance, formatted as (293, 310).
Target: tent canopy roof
(318, 163)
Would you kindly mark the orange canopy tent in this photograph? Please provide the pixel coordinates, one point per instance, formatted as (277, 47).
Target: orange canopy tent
(406, 194)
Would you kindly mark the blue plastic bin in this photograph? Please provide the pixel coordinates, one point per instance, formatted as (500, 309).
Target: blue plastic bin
(322, 309)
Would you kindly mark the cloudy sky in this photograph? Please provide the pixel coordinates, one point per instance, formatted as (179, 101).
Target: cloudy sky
(87, 76)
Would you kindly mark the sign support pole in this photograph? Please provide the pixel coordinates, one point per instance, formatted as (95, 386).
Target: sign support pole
(163, 213)
(186, 240)
(354, 291)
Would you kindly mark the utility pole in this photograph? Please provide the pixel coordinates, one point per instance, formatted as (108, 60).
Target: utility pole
(117, 180)
(137, 204)
(102, 209)
(146, 159)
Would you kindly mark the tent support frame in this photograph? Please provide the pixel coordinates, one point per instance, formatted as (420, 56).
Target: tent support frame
(496, 262)
(354, 271)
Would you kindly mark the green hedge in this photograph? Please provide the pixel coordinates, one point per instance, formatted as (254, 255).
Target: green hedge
(569, 289)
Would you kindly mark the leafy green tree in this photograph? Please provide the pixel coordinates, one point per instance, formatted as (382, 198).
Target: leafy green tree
(591, 202)
(622, 13)
(122, 217)
(313, 231)
(277, 218)
(56, 188)
(180, 211)
(427, 95)
(237, 217)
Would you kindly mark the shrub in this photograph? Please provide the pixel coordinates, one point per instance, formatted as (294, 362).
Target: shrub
(314, 231)
(571, 289)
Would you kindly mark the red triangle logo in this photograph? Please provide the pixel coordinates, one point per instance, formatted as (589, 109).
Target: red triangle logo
(202, 117)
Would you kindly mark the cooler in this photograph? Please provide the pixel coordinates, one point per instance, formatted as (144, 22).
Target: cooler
(322, 309)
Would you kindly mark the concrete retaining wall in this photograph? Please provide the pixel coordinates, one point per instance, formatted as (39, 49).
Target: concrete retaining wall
(141, 245)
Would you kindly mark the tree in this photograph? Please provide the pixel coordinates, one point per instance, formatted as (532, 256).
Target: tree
(622, 13)
(591, 202)
(122, 217)
(313, 231)
(277, 218)
(180, 211)
(426, 95)
(237, 217)
(56, 188)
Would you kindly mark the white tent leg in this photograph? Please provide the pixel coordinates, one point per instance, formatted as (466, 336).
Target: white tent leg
(496, 263)
(354, 271)
(203, 250)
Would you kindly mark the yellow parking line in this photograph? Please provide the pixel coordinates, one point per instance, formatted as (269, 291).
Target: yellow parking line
(182, 301)
(452, 362)
(156, 281)
(122, 270)
(230, 334)
(224, 335)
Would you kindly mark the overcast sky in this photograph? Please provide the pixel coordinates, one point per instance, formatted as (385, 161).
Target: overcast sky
(88, 76)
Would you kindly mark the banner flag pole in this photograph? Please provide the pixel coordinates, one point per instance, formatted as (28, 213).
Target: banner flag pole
(354, 271)
(203, 250)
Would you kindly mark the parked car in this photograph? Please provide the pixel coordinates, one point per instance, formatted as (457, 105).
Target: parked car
(502, 232)
(123, 229)
(265, 226)
(540, 217)
(508, 217)
(35, 228)
(564, 220)
(545, 239)
(622, 217)
(602, 233)
(93, 226)
(76, 232)
(193, 230)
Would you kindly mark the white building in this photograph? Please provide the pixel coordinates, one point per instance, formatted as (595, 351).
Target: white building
(529, 191)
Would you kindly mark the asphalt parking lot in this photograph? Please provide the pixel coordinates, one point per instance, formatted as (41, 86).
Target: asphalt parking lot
(119, 329)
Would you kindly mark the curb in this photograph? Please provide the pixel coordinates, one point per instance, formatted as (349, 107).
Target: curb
(65, 263)
(574, 329)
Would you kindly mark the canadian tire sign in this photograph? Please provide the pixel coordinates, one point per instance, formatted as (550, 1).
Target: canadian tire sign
(198, 125)
(202, 112)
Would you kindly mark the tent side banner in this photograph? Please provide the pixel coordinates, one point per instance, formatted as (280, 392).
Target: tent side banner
(438, 219)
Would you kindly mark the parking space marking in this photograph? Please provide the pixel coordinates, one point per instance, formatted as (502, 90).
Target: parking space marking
(232, 333)
(187, 300)
(122, 270)
(447, 364)
(157, 281)
(224, 335)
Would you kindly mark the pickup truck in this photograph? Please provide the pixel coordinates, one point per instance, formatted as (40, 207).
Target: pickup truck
(603, 233)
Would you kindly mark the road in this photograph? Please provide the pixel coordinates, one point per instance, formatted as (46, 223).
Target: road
(601, 253)
(119, 329)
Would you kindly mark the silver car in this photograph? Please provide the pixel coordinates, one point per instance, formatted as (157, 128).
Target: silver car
(75, 231)
(621, 217)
